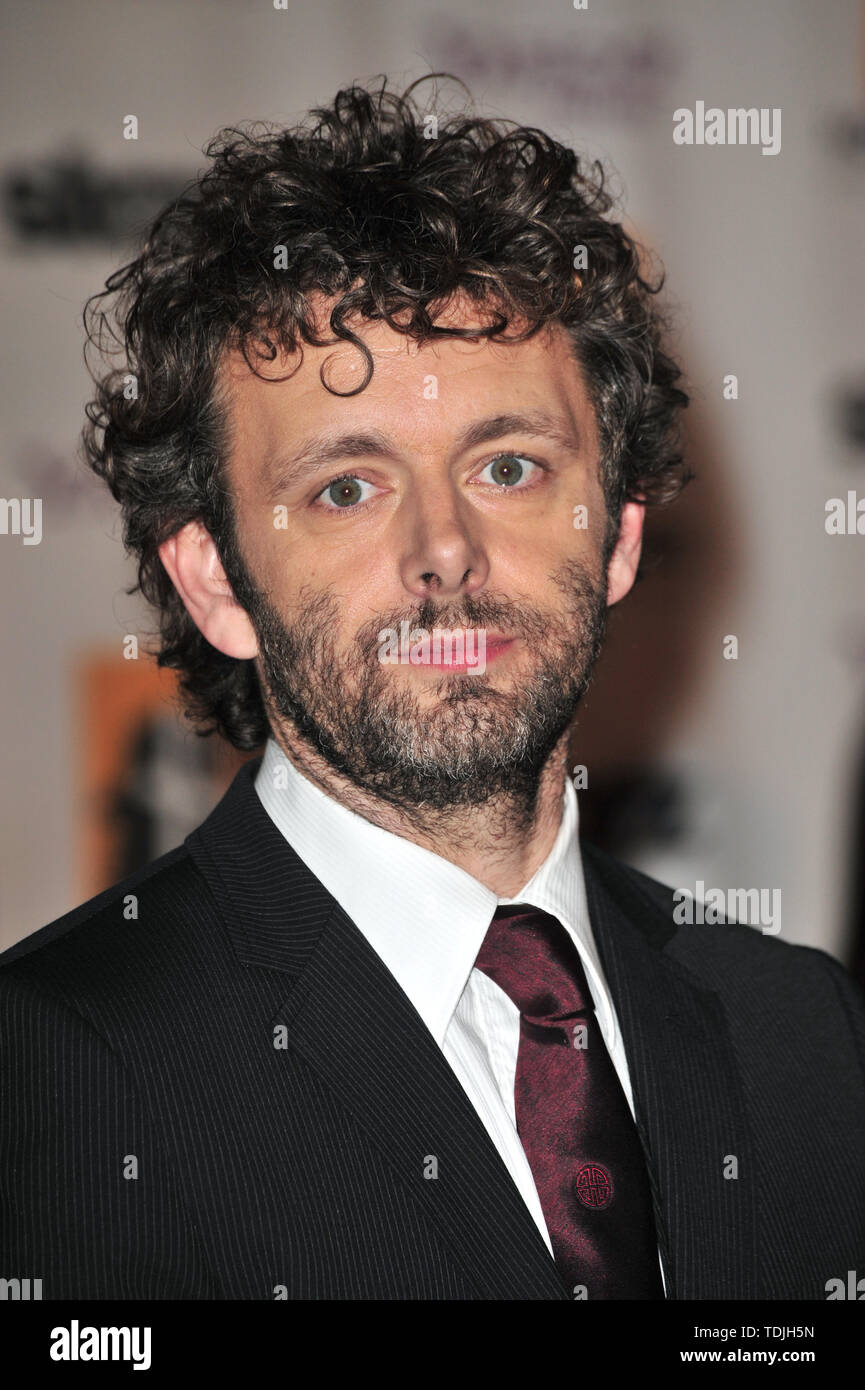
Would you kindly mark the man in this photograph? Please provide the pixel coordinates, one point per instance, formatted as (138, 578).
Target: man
(378, 1029)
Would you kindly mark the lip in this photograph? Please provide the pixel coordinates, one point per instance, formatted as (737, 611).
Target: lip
(496, 644)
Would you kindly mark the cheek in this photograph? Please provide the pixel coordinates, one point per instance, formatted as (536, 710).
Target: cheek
(572, 524)
(286, 559)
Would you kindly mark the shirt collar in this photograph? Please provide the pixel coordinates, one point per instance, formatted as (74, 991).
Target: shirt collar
(425, 917)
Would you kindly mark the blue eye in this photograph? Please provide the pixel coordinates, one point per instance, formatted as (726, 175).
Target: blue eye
(508, 470)
(344, 493)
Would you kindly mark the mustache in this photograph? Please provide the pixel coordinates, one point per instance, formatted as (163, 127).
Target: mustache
(488, 612)
(514, 617)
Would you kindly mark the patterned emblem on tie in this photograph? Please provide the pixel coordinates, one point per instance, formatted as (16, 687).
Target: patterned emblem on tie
(594, 1186)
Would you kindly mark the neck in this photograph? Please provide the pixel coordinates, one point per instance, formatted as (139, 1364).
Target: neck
(501, 843)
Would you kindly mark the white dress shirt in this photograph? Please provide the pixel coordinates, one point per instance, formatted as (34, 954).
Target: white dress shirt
(426, 919)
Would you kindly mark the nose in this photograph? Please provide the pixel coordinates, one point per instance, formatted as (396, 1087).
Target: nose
(443, 553)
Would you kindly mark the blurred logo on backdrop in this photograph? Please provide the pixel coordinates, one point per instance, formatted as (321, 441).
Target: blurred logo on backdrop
(623, 73)
(68, 198)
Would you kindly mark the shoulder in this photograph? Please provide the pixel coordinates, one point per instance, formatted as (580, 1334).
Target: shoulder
(114, 939)
(726, 954)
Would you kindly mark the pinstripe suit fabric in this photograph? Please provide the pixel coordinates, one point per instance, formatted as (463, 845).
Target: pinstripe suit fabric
(228, 1096)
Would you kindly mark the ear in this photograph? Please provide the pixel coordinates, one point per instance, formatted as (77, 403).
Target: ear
(192, 561)
(625, 558)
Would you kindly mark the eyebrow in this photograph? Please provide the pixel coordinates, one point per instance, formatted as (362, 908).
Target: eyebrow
(321, 449)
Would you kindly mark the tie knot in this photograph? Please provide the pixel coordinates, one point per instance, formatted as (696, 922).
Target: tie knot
(531, 957)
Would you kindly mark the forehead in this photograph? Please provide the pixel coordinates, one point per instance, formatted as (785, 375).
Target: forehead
(421, 392)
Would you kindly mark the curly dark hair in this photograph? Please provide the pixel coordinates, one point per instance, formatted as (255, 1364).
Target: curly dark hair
(377, 206)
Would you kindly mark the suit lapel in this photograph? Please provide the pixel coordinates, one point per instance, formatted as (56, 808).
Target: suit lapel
(348, 1017)
(351, 1021)
(687, 1090)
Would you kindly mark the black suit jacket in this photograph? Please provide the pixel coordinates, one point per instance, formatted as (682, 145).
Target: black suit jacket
(214, 1089)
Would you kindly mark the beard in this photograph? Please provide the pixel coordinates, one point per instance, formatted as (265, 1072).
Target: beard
(465, 742)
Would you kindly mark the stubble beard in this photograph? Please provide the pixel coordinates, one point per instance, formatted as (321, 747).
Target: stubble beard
(472, 743)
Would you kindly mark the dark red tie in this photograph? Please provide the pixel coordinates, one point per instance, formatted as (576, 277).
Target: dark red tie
(573, 1118)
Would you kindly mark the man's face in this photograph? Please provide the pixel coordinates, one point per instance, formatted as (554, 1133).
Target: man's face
(444, 495)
